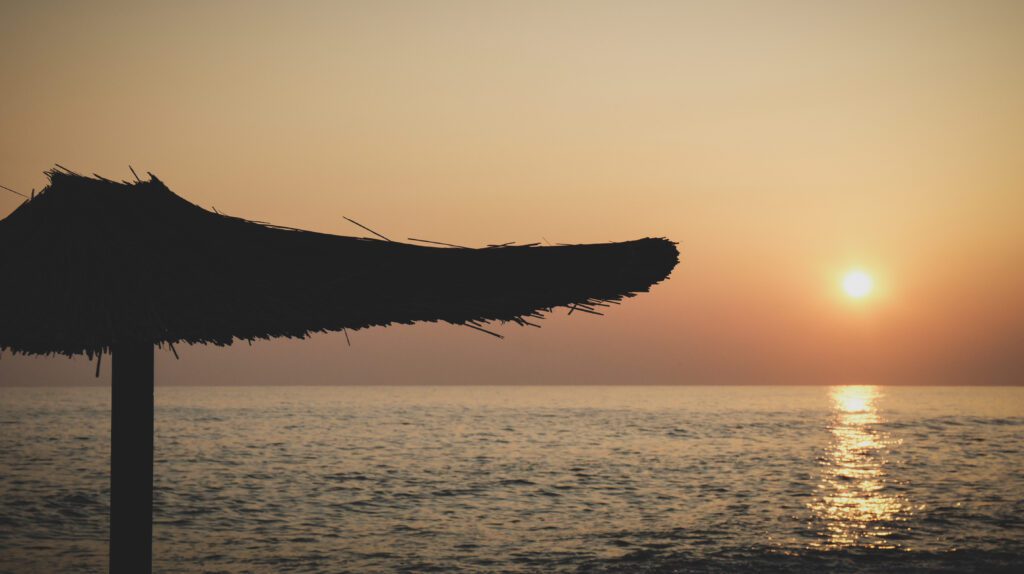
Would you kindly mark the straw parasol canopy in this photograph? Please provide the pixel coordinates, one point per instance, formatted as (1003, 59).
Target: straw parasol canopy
(89, 262)
(93, 266)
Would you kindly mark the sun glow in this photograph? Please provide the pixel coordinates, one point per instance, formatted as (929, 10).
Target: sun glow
(857, 284)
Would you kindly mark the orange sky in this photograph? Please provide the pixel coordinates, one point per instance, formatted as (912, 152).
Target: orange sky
(781, 143)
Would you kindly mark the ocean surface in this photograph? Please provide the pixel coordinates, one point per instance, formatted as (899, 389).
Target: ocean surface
(530, 479)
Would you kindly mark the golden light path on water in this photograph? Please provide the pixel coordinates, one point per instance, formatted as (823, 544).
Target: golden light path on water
(856, 505)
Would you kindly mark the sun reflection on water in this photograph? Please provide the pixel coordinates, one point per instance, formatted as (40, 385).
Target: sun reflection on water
(856, 504)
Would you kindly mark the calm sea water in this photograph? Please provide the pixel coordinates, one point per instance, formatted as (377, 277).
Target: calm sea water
(529, 479)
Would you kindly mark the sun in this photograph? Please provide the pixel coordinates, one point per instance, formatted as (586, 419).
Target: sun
(857, 284)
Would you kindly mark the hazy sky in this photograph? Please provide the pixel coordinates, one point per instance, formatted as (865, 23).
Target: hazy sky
(781, 143)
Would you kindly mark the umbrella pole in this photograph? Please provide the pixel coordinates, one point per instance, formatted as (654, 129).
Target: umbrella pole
(131, 458)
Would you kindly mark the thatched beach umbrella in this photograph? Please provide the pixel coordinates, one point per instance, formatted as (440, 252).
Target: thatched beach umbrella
(92, 266)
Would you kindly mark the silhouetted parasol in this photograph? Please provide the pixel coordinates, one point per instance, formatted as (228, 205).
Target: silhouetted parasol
(93, 266)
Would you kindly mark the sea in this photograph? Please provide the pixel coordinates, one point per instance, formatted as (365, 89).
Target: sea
(603, 479)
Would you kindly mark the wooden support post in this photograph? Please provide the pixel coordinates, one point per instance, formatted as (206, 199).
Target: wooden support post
(131, 459)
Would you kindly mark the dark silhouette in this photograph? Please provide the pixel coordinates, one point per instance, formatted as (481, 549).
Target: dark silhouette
(93, 266)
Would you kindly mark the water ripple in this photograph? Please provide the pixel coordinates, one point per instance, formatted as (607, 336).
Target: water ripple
(482, 479)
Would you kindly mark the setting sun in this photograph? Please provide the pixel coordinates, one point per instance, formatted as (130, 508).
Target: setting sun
(857, 284)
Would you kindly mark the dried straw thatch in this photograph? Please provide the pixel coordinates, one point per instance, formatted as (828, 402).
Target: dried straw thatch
(90, 262)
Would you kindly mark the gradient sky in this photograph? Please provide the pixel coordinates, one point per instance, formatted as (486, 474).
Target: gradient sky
(781, 143)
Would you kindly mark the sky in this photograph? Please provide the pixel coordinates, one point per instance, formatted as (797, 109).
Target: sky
(781, 143)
